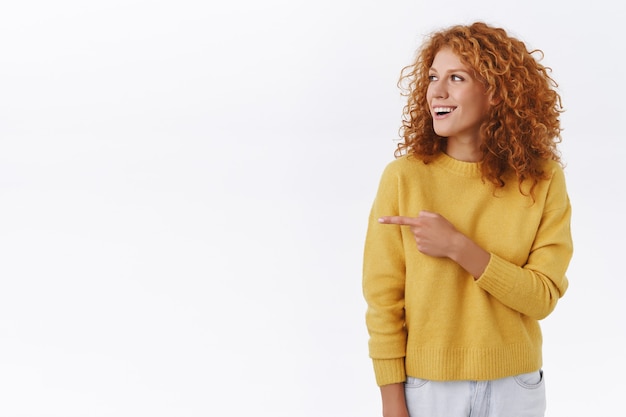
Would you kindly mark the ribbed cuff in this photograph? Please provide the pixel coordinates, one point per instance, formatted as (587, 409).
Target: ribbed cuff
(389, 371)
(495, 278)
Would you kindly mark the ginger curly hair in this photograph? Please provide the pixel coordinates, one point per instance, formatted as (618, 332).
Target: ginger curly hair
(521, 131)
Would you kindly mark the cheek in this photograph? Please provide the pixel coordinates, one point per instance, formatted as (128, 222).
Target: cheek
(429, 90)
(487, 108)
(429, 95)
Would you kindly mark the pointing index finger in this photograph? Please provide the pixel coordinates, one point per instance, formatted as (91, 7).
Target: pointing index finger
(399, 220)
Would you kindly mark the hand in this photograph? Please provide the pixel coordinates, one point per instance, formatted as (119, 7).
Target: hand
(436, 236)
(433, 233)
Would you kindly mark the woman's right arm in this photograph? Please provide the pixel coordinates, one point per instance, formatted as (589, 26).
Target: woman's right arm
(383, 286)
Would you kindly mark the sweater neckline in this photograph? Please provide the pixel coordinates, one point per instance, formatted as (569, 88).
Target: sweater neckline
(462, 168)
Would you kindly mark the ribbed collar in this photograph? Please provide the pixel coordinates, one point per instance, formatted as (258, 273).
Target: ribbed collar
(462, 168)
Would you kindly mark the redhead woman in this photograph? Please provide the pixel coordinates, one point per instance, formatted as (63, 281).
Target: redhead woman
(468, 240)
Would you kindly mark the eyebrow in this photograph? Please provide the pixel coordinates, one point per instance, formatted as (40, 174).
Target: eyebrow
(452, 70)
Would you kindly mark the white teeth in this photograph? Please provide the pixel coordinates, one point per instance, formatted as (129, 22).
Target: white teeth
(443, 109)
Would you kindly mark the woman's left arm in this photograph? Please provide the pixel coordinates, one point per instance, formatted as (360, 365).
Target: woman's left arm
(535, 287)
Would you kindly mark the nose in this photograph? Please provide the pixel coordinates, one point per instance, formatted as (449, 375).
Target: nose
(438, 89)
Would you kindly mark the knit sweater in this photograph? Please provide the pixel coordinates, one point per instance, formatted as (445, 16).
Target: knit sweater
(429, 318)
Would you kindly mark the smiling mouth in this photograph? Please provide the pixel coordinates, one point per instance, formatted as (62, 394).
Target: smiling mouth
(441, 111)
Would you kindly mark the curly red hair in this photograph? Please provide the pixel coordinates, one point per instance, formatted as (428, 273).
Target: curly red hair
(520, 132)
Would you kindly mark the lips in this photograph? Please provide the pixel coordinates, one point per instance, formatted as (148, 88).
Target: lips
(443, 110)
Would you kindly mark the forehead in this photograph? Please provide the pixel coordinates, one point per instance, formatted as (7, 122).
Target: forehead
(445, 60)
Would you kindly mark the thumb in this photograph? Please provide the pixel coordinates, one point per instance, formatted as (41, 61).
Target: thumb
(426, 213)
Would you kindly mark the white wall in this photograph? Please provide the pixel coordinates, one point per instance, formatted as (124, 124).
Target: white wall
(184, 190)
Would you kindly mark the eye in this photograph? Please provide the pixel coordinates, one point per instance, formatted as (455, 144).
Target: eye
(456, 78)
(432, 78)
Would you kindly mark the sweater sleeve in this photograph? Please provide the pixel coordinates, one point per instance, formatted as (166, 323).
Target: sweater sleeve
(383, 286)
(534, 288)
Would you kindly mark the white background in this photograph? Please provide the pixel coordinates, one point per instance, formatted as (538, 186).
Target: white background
(184, 190)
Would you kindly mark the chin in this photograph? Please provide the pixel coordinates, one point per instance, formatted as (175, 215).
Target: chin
(441, 132)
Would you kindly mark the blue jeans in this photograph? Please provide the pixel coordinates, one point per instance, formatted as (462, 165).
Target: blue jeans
(516, 396)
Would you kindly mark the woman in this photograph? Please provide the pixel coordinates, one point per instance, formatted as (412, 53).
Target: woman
(469, 237)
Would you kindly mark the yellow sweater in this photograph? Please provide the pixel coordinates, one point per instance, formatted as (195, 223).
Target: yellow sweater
(427, 317)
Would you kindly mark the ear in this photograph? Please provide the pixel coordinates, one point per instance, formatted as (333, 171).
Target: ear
(494, 100)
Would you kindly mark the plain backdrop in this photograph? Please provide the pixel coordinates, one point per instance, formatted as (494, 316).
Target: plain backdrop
(184, 188)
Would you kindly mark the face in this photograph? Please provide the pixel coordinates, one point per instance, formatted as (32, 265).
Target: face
(458, 101)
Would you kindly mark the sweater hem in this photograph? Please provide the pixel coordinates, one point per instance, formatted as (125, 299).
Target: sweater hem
(474, 364)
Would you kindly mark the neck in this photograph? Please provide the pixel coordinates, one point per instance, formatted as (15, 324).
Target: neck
(466, 151)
